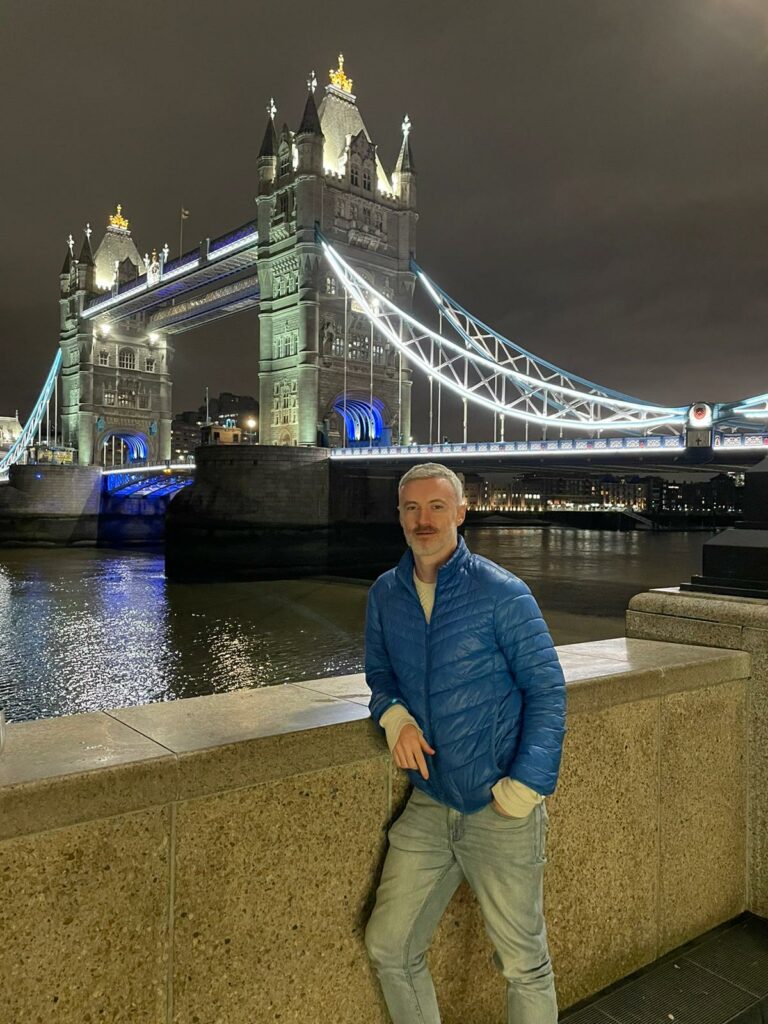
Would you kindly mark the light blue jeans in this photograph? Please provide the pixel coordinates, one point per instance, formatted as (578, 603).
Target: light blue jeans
(431, 849)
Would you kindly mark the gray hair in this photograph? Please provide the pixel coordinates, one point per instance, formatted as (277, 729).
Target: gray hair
(430, 470)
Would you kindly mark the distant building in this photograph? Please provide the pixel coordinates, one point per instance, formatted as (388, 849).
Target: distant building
(233, 419)
(10, 430)
(552, 492)
(217, 433)
(185, 437)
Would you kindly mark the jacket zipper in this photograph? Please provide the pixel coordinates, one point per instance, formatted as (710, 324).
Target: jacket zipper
(427, 702)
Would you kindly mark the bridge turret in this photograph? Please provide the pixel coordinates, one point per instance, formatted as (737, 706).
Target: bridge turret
(86, 265)
(266, 162)
(404, 176)
(309, 136)
(65, 277)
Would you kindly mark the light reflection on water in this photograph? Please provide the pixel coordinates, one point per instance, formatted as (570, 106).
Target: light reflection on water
(86, 630)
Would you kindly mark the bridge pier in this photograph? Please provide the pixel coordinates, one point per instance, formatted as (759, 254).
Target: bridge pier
(271, 512)
(44, 505)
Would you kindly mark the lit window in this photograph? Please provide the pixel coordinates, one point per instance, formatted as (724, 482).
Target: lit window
(149, 365)
(103, 358)
(109, 398)
(330, 285)
(127, 359)
(285, 161)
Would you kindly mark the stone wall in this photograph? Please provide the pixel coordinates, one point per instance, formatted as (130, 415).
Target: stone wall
(215, 859)
(50, 505)
(732, 623)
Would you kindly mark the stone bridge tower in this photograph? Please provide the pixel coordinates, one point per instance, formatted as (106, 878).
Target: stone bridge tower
(115, 377)
(314, 345)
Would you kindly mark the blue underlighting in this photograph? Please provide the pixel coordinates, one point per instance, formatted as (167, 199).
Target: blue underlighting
(136, 444)
(364, 422)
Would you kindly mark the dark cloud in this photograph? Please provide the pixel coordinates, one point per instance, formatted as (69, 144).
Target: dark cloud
(592, 173)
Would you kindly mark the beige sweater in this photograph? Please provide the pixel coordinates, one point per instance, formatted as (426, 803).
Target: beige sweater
(515, 799)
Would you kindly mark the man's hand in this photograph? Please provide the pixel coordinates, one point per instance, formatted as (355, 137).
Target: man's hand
(409, 750)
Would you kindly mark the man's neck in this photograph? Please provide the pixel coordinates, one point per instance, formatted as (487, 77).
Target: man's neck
(427, 568)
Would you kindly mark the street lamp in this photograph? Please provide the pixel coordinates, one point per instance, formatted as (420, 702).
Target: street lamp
(250, 424)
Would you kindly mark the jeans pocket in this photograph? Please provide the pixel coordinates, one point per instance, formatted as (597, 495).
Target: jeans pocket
(508, 818)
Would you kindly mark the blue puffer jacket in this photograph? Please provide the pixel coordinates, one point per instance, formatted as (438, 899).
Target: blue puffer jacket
(482, 679)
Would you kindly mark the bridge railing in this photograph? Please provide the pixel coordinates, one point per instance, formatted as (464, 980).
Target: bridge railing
(560, 445)
(665, 442)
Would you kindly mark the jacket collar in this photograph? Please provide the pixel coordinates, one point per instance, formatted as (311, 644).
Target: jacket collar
(445, 573)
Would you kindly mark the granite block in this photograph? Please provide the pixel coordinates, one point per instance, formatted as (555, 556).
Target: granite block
(274, 886)
(702, 811)
(249, 737)
(648, 626)
(650, 668)
(757, 829)
(638, 654)
(199, 723)
(710, 607)
(601, 885)
(84, 922)
(352, 687)
(577, 667)
(399, 790)
(58, 771)
(755, 640)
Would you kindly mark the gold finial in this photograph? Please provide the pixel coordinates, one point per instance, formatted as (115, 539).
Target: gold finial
(117, 220)
(338, 78)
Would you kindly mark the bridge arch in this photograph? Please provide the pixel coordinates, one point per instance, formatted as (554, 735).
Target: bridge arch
(121, 445)
(367, 423)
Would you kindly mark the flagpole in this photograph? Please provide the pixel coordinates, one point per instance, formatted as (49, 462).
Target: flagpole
(181, 230)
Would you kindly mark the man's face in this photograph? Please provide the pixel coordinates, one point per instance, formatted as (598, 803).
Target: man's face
(429, 516)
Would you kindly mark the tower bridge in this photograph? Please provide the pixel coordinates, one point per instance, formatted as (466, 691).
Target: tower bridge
(328, 262)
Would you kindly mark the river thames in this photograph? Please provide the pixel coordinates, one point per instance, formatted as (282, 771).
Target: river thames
(92, 629)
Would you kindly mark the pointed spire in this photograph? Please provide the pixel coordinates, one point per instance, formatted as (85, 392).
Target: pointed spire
(67, 267)
(269, 142)
(310, 122)
(86, 253)
(405, 161)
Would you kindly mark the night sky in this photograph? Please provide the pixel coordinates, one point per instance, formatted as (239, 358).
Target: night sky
(593, 174)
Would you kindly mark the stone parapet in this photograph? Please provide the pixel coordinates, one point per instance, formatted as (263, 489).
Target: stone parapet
(216, 858)
(732, 623)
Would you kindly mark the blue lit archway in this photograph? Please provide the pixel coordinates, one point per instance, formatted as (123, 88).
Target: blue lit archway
(364, 421)
(119, 447)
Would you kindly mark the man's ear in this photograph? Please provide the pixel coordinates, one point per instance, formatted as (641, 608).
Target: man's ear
(461, 515)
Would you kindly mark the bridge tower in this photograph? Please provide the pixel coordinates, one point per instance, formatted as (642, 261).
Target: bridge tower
(322, 377)
(115, 377)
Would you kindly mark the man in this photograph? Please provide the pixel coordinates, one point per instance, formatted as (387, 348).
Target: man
(467, 686)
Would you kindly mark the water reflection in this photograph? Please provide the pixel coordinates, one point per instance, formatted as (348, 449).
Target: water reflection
(86, 630)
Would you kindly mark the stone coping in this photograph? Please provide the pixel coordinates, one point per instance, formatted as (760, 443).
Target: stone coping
(688, 604)
(60, 771)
